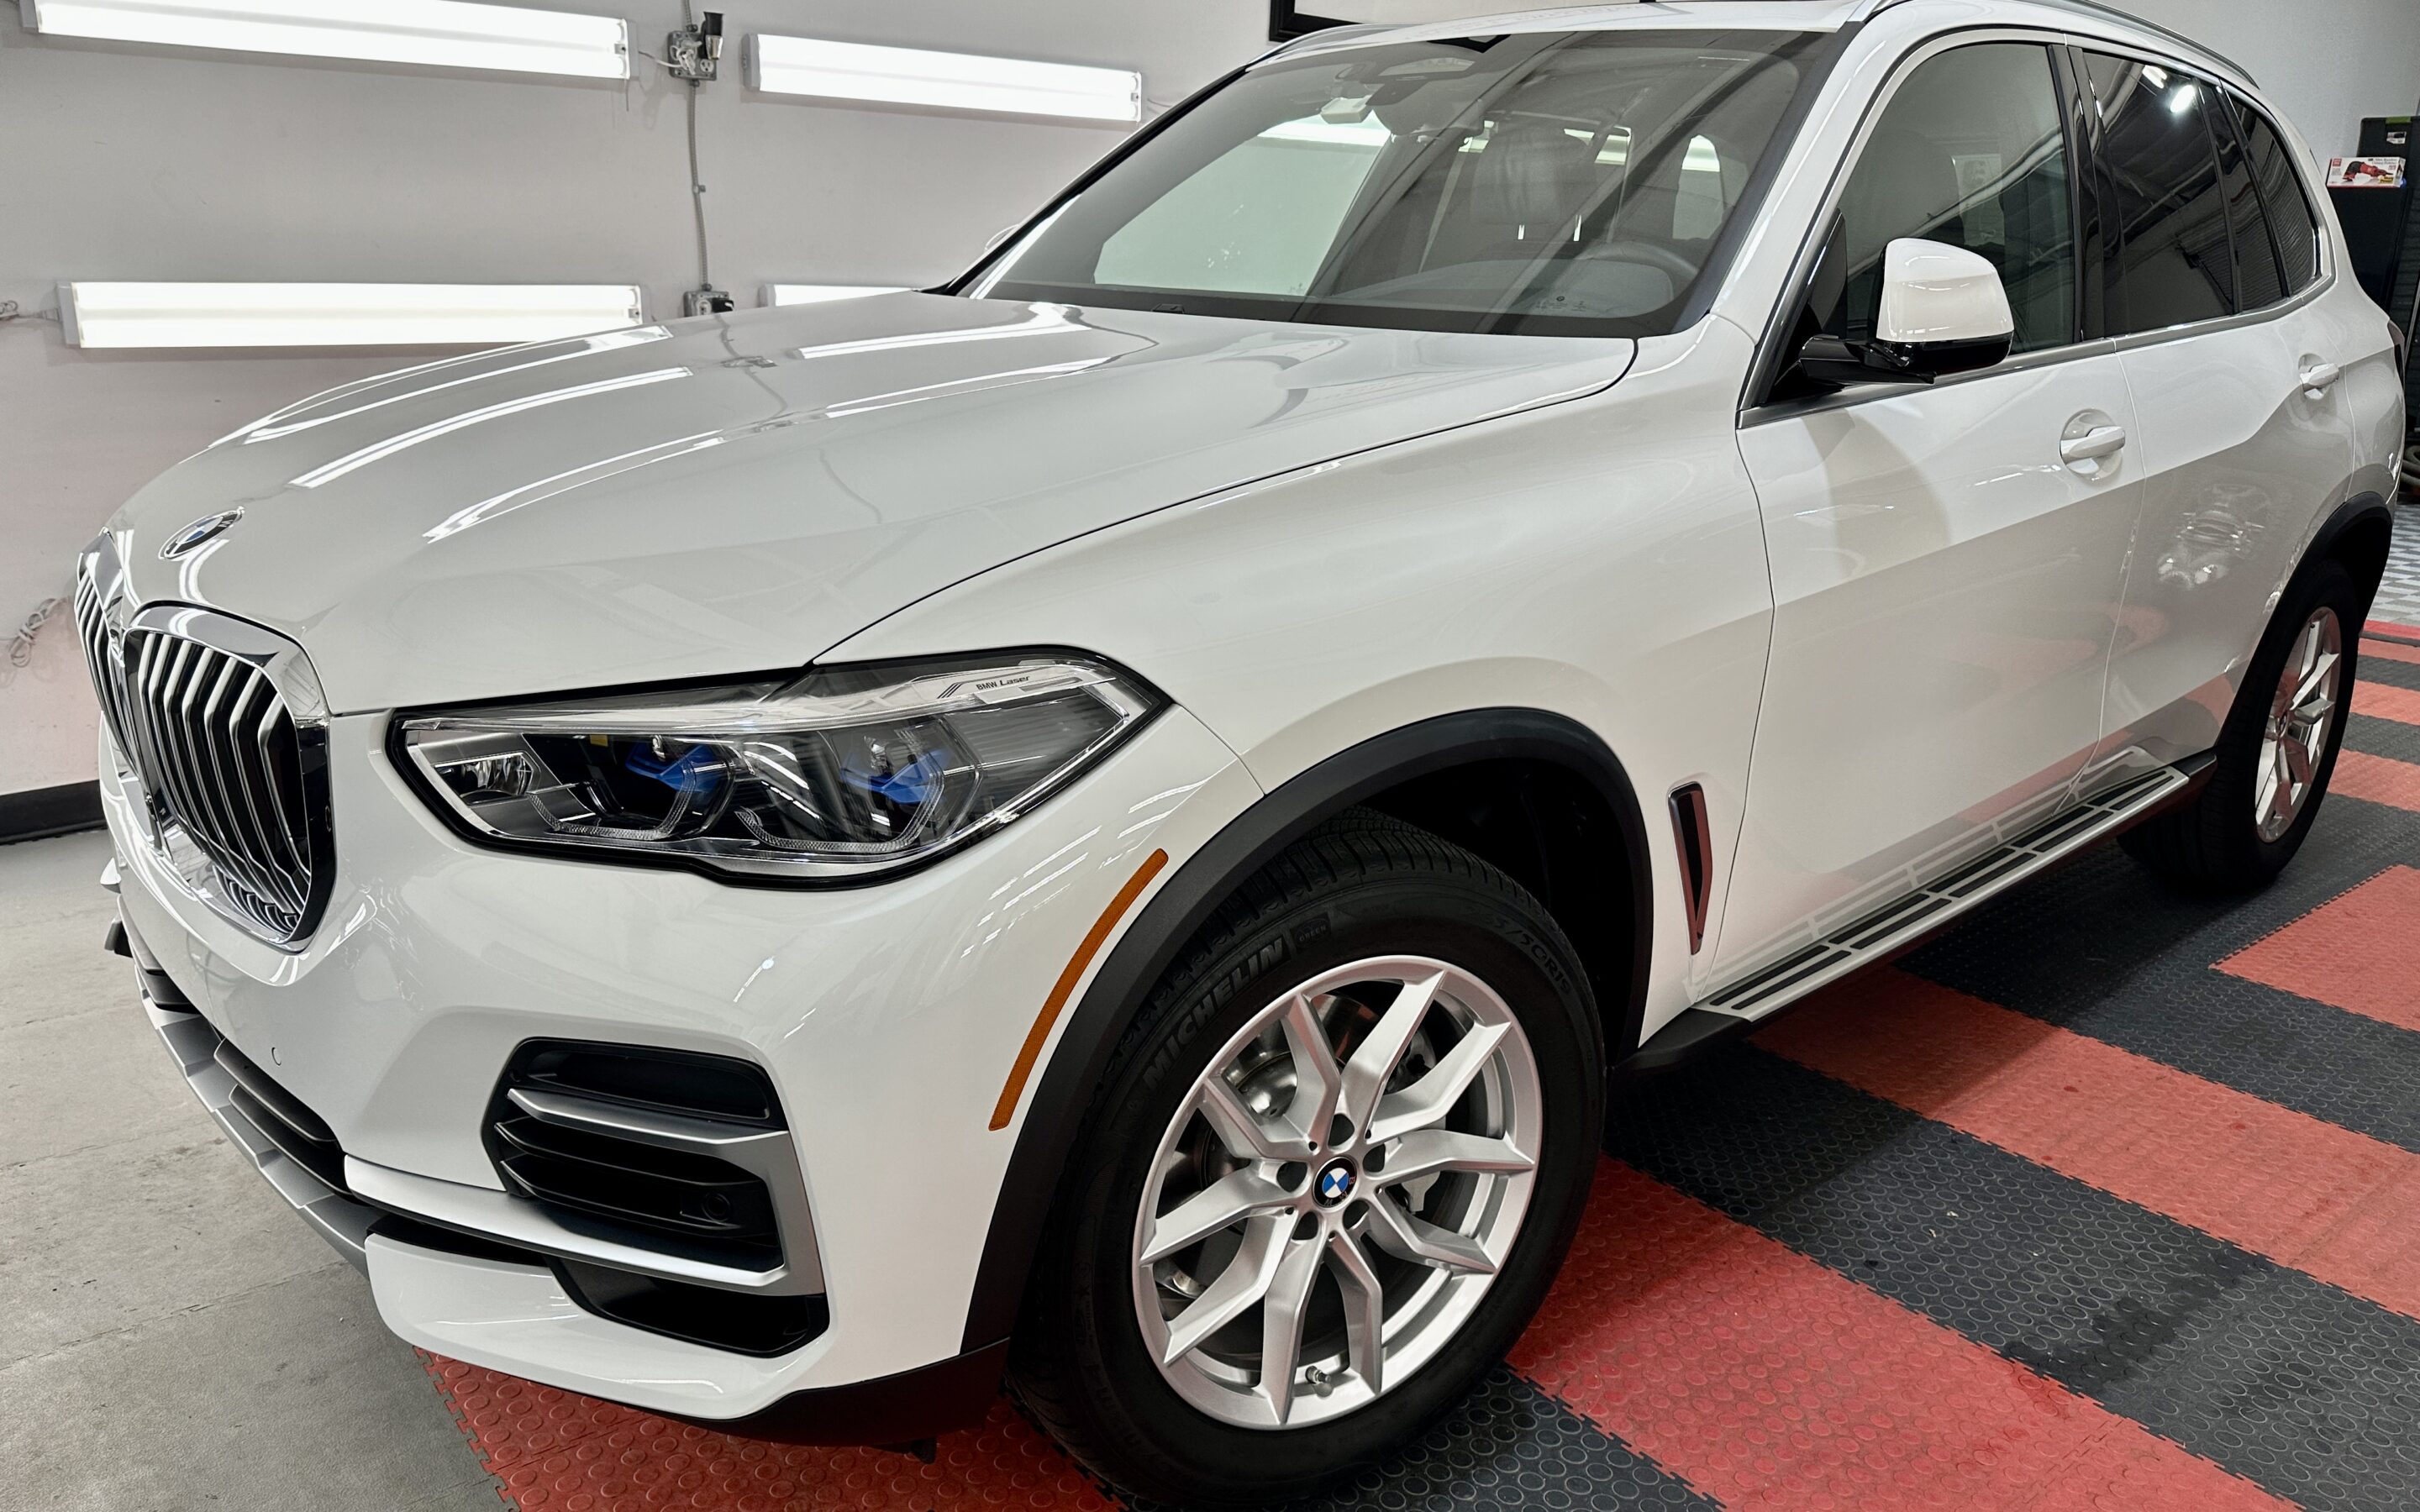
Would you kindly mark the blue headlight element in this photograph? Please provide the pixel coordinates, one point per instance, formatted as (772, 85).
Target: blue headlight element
(842, 771)
(695, 771)
(909, 787)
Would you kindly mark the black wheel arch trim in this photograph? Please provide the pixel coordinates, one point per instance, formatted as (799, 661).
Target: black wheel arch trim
(1062, 1093)
(2357, 510)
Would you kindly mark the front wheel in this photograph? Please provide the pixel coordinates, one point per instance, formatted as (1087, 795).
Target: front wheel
(1335, 1164)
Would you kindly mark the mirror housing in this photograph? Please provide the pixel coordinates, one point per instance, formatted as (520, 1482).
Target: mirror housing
(1944, 311)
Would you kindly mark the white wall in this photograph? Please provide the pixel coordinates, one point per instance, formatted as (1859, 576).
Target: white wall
(122, 161)
(125, 162)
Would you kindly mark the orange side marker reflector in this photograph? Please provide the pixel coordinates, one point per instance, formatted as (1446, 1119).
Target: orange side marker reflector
(1032, 1050)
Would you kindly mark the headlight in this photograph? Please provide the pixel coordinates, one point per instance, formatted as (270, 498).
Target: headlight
(847, 772)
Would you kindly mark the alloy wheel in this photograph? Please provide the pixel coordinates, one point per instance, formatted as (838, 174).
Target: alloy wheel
(2302, 714)
(1335, 1192)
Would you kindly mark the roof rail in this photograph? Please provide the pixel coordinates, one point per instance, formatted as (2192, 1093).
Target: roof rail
(2107, 12)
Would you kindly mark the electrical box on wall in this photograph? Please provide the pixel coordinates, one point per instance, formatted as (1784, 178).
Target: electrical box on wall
(695, 52)
(707, 300)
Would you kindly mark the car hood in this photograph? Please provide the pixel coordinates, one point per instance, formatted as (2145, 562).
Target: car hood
(739, 493)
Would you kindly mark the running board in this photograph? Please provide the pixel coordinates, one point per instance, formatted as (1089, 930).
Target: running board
(1878, 934)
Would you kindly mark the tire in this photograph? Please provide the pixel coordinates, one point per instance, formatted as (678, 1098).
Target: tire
(1364, 889)
(2217, 842)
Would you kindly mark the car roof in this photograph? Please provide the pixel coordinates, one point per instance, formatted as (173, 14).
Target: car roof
(2082, 19)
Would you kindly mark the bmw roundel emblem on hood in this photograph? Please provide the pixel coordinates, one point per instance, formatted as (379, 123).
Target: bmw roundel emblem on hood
(208, 528)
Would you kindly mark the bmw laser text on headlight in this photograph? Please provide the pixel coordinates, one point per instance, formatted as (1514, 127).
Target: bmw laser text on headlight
(1114, 824)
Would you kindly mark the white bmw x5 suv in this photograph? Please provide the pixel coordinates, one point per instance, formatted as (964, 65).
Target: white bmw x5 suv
(1117, 821)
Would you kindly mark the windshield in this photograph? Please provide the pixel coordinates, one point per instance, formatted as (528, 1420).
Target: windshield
(1555, 183)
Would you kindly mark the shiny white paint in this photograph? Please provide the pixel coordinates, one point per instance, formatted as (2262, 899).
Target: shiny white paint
(1944, 592)
(1900, 606)
(1598, 559)
(1933, 292)
(2243, 461)
(737, 493)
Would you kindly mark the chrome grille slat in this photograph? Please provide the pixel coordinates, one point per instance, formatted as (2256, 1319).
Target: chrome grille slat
(223, 727)
(267, 840)
(235, 846)
(217, 829)
(273, 726)
(108, 683)
(177, 718)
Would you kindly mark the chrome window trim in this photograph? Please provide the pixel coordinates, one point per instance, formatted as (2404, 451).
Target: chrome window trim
(1760, 371)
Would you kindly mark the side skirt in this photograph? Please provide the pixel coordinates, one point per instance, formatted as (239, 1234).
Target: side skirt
(1730, 1011)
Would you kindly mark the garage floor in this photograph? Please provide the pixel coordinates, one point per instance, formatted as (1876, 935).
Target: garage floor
(2104, 1199)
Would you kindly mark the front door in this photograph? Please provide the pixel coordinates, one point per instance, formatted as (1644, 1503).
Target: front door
(1946, 581)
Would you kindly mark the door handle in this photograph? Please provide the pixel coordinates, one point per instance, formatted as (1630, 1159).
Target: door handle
(2317, 377)
(2094, 444)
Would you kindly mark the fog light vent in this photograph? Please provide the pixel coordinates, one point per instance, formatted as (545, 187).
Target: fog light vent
(681, 1152)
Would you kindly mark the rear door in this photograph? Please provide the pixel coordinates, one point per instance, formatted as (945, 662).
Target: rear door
(2243, 435)
(1945, 583)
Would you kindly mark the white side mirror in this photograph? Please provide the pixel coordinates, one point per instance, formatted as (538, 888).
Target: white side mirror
(1936, 295)
(1942, 311)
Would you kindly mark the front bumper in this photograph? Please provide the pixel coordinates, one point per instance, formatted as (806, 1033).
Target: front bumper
(886, 1016)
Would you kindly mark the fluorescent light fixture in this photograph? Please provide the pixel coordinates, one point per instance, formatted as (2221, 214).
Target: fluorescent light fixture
(339, 315)
(951, 81)
(442, 33)
(825, 293)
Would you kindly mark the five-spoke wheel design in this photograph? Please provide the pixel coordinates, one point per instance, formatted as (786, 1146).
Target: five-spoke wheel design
(2301, 712)
(1335, 1192)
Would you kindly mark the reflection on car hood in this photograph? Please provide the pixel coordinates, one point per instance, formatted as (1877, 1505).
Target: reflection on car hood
(739, 493)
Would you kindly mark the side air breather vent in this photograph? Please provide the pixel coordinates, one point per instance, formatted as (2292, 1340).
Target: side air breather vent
(1693, 838)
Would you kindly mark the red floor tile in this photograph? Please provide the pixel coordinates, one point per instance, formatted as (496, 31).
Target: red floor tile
(2378, 699)
(2376, 779)
(2389, 650)
(2332, 1203)
(2360, 952)
(1767, 1381)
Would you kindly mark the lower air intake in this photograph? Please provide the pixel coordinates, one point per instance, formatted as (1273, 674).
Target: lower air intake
(687, 1154)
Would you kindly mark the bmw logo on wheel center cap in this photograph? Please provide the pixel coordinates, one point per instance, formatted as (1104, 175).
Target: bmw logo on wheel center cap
(1335, 1182)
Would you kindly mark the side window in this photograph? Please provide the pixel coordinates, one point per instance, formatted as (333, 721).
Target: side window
(1969, 151)
(2258, 283)
(2176, 260)
(2291, 221)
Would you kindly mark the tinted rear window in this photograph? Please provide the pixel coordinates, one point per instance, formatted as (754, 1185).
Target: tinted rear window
(2282, 194)
(2258, 283)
